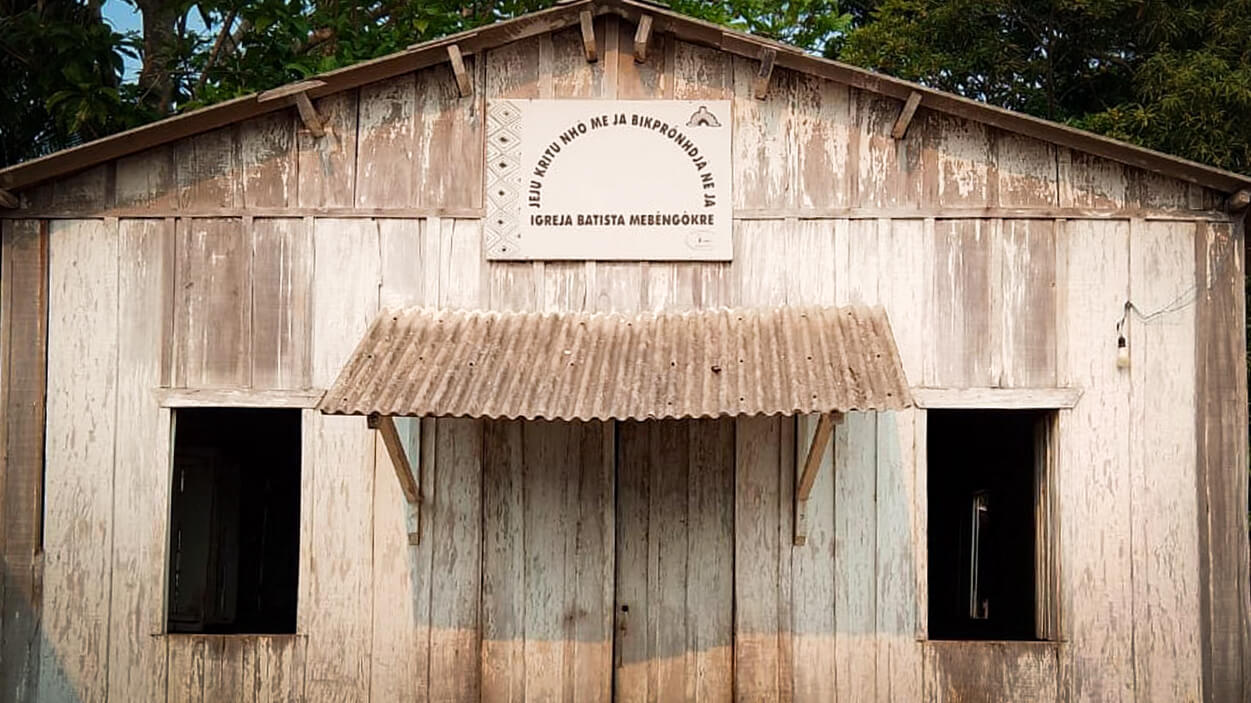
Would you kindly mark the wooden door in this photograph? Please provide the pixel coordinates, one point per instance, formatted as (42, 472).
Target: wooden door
(675, 561)
(547, 562)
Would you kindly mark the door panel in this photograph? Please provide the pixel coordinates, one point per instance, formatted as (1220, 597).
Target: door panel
(547, 561)
(675, 551)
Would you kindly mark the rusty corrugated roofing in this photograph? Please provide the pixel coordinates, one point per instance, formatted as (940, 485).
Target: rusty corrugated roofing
(582, 366)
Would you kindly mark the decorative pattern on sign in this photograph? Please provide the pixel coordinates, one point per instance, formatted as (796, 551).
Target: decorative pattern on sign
(503, 185)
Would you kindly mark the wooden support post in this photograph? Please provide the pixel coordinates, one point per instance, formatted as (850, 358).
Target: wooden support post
(905, 116)
(9, 200)
(464, 82)
(807, 472)
(587, 20)
(399, 461)
(1239, 201)
(642, 37)
(767, 58)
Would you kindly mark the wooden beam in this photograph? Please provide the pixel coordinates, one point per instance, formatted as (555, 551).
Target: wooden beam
(399, 460)
(768, 57)
(905, 116)
(1239, 201)
(310, 118)
(587, 22)
(642, 37)
(9, 200)
(808, 472)
(236, 397)
(996, 398)
(288, 91)
(464, 82)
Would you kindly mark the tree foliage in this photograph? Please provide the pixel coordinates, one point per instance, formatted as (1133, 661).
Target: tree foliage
(1173, 76)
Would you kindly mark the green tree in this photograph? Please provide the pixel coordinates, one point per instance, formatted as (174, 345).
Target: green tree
(1167, 75)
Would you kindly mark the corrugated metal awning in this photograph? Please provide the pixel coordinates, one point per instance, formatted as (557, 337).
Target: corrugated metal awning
(582, 366)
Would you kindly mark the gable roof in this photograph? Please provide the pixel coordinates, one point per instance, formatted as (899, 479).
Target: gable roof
(565, 15)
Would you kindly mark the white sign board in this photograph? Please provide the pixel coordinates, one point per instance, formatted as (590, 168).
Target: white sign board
(609, 180)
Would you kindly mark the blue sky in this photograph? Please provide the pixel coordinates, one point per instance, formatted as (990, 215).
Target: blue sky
(126, 18)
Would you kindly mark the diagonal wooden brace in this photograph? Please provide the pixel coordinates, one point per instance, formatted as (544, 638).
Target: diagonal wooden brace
(464, 82)
(587, 22)
(297, 94)
(399, 461)
(807, 472)
(642, 37)
(900, 130)
(768, 57)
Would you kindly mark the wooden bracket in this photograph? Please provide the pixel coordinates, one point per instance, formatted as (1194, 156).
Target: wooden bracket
(905, 116)
(9, 200)
(767, 58)
(1239, 201)
(385, 426)
(297, 94)
(587, 21)
(642, 37)
(807, 472)
(464, 82)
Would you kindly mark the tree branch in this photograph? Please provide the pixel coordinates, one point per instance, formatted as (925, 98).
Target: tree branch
(213, 55)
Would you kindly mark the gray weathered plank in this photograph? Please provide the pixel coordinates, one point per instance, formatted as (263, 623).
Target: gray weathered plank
(23, 347)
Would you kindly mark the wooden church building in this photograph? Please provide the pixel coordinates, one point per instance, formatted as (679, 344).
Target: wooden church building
(604, 354)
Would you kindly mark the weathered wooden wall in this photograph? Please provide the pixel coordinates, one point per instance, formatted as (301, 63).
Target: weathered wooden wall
(254, 256)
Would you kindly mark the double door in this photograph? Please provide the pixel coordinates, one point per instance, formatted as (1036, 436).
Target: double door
(608, 565)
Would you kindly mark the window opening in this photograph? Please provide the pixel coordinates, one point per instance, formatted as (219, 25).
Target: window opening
(234, 521)
(988, 479)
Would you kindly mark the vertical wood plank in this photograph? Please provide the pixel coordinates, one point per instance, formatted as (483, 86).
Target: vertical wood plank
(1027, 171)
(1164, 529)
(960, 305)
(141, 477)
(78, 478)
(268, 160)
(1221, 394)
(326, 166)
(384, 174)
(282, 268)
(814, 573)
(212, 311)
(762, 133)
(146, 179)
(823, 117)
(1094, 473)
(959, 158)
(400, 649)
(594, 565)
(855, 550)
(710, 555)
(503, 567)
(456, 535)
(631, 652)
(207, 172)
(1028, 295)
(886, 172)
(448, 157)
(336, 609)
(756, 549)
(23, 349)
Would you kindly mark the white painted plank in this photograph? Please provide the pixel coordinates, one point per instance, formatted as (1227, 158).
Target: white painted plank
(1162, 443)
(1094, 470)
(78, 479)
(141, 474)
(855, 551)
(336, 608)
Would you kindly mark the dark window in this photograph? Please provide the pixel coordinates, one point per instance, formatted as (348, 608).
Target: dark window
(234, 521)
(985, 481)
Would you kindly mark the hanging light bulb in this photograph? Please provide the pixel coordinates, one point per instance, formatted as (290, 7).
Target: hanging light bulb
(1122, 352)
